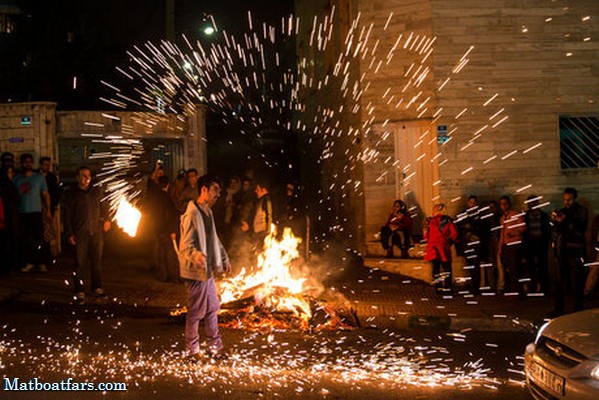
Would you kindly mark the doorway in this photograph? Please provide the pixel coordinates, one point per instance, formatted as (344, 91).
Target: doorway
(417, 168)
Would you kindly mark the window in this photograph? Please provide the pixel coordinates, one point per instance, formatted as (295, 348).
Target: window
(579, 142)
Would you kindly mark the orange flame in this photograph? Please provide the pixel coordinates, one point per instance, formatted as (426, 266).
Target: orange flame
(272, 282)
(127, 217)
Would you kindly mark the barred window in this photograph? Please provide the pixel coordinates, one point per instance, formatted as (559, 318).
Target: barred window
(579, 142)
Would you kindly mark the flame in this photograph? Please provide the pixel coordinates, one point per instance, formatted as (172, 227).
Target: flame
(272, 283)
(127, 217)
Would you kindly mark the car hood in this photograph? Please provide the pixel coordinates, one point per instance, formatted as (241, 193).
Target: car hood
(579, 331)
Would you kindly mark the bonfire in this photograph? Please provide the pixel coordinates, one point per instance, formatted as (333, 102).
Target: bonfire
(275, 293)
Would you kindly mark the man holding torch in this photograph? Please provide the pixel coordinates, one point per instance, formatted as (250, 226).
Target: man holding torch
(201, 255)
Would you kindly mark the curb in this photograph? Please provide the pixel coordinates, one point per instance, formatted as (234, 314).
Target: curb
(436, 322)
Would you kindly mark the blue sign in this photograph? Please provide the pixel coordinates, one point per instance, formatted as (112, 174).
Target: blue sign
(16, 140)
(442, 134)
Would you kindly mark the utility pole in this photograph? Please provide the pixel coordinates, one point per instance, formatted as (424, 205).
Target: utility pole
(170, 20)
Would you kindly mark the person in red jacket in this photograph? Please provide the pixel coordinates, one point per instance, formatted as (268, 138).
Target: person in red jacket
(439, 233)
(399, 229)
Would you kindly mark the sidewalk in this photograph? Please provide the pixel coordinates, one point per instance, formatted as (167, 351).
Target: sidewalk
(381, 299)
(131, 287)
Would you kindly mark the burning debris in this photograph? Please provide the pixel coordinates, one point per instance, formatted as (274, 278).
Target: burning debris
(276, 295)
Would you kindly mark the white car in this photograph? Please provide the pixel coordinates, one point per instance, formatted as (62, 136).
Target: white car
(563, 362)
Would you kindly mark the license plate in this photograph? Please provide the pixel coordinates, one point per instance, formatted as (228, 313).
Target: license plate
(552, 381)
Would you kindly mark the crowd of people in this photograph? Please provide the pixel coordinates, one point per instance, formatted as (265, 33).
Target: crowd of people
(506, 250)
(195, 229)
(190, 213)
(243, 214)
(29, 199)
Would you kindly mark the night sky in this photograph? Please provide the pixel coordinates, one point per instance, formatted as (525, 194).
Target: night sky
(58, 40)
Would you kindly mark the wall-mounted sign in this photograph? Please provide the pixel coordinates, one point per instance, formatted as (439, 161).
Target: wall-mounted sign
(16, 140)
(25, 120)
(442, 134)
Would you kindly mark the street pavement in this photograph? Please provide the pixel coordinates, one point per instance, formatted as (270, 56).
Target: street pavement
(411, 342)
(379, 299)
(146, 355)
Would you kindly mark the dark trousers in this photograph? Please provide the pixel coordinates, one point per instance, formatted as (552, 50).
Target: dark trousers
(46, 246)
(537, 263)
(88, 255)
(512, 260)
(32, 238)
(472, 255)
(570, 277)
(5, 266)
(168, 264)
(398, 238)
(442, 275)
(11, 253)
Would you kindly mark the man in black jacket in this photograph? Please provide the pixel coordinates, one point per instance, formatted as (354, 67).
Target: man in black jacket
(10, 250)
(536, 244)
(86, 220)
(54, 190)
(167, 225)
(570, 224)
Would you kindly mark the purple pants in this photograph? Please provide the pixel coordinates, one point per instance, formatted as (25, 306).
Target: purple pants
(202, 303)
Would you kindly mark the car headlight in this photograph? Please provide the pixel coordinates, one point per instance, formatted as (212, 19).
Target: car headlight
(595, 373)
(540, 332)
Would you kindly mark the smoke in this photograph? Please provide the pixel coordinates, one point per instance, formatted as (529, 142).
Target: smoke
(324, 270)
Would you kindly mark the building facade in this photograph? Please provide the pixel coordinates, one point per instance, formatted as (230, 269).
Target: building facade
(93, 138)
(74, 138)
(467, 97)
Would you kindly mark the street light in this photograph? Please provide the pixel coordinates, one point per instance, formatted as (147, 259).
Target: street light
(209, 30)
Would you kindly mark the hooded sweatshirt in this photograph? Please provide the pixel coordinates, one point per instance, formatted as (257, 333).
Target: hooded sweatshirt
(197, 237)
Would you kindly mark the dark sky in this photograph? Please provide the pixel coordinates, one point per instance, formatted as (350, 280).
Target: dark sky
(56, 40)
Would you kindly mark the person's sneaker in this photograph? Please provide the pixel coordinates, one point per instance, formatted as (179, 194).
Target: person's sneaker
(27, 268)
(99, 292)
(42, 268)
(80, 298)
(194, 358)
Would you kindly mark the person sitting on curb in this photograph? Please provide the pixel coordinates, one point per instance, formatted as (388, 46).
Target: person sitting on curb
(399, 229)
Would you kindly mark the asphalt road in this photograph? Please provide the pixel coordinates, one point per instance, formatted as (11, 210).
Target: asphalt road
(146, 354)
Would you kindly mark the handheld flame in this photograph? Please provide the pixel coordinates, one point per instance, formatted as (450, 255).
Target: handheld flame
(127, 217)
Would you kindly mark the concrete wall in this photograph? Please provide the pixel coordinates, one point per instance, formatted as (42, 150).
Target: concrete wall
(191, 131)
(389, 88)
(47, 126)
(529, 62)
(524, 59)
(37, 138)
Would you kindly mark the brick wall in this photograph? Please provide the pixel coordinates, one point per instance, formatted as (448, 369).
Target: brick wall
(37, 137)
(524, 59)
